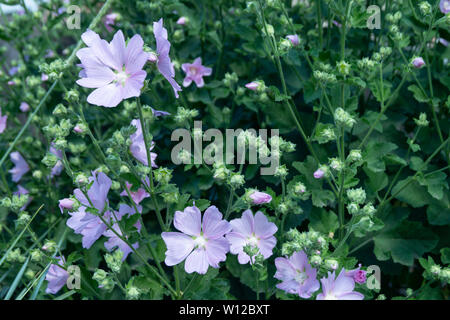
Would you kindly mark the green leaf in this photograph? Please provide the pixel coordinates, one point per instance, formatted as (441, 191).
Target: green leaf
(435, 183)
(418, 94)
(375, 152)
(445, 255)
(323, 221)
(410, 240)
(411, 193)
(322, 198)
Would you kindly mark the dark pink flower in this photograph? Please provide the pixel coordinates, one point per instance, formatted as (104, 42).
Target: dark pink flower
(360, 276)
(114, 69)
(195, 72)
(164, 63)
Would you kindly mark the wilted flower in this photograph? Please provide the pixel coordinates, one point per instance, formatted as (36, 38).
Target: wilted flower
(56, 277)
(340, 288)
(297, 275)
(255, 231)
(137, 147)
(201, 243)
(360, 276)
(21, 166)
(260, 197)
(114, 68)
(195, 72)
(164, 63)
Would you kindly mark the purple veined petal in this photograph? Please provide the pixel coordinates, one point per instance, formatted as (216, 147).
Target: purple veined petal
(213, 226)
(216, 251)
(88, 59)
(179, 246)
(243, 225)
(188, 221)
(187, 82)
(101, 49)
(207, 71)
(159, 113)
(285, 270)
(343, 284)
(56, 277)
(199, 82)
(108, 96)
(197, 261)
(237, 242)
(351, 296)
(262, 227)
(299, 260)
(118, 48)
(266, 246)
(75, 221)
(20, 166)
(96, 77)
(135, 57)
(243, 258)
(81, 197)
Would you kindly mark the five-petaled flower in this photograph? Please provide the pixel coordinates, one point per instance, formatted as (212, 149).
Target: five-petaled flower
(195, 72)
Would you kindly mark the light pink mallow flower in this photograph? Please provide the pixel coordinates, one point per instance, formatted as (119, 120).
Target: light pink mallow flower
(252, 230)
(137, 196)
(340, 288)
(418, 62)
(110, 20)
(65, 203)
(360, 276)
(444, 5)
(24, 107)
(260, 197)
(195, 72)
(114, 240)
(44, 77)
(181, 21)
(294, 39)
(56, 277)
(114, 69)
(137, 147)
(254, 86)
(297, 275)
(318, 174)
(21, 166)
(3, 121)
(90, 226)
(164, 63)
(200, 243)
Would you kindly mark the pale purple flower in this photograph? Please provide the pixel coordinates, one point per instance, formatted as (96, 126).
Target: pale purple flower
(49, 53)
(254, 86)
(252, 230)
(260, 197)
(444, 5)
(11, 83)
(137, 196)
(195, 72)
(201, 244)
(137, 146)
(181, 21)
(443, 42)
(114, 69)
(90, 226)
(24, 107)
(297, 275)
(340, 288)
(21, 166)
(3, 121)
(114, 241)
(294, 39)
(318, 174)
(337, 24)
(152, 57)
(360, 276)
(418, 62)
(44, 77)
(13, 71)
(164, 63)
(110, 20)
(59, 166)
(65, 203)
(56, 277)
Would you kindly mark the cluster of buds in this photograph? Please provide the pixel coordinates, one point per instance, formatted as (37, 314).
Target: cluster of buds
(61, 131)
(114, 260)
(354, 156)
(163, 175)
(425, 8)
(325, 77)
(311, 242)
(343, 118)
(104, 280)
(16, 202)
(235, 180)
(394, 18)
(343, 68)
(184, 115)
(336, 164)
(366, 64)
(220, 171)
(422, 121)
(132, 292)
(54, 70)
(230, 79)
(15, 256)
